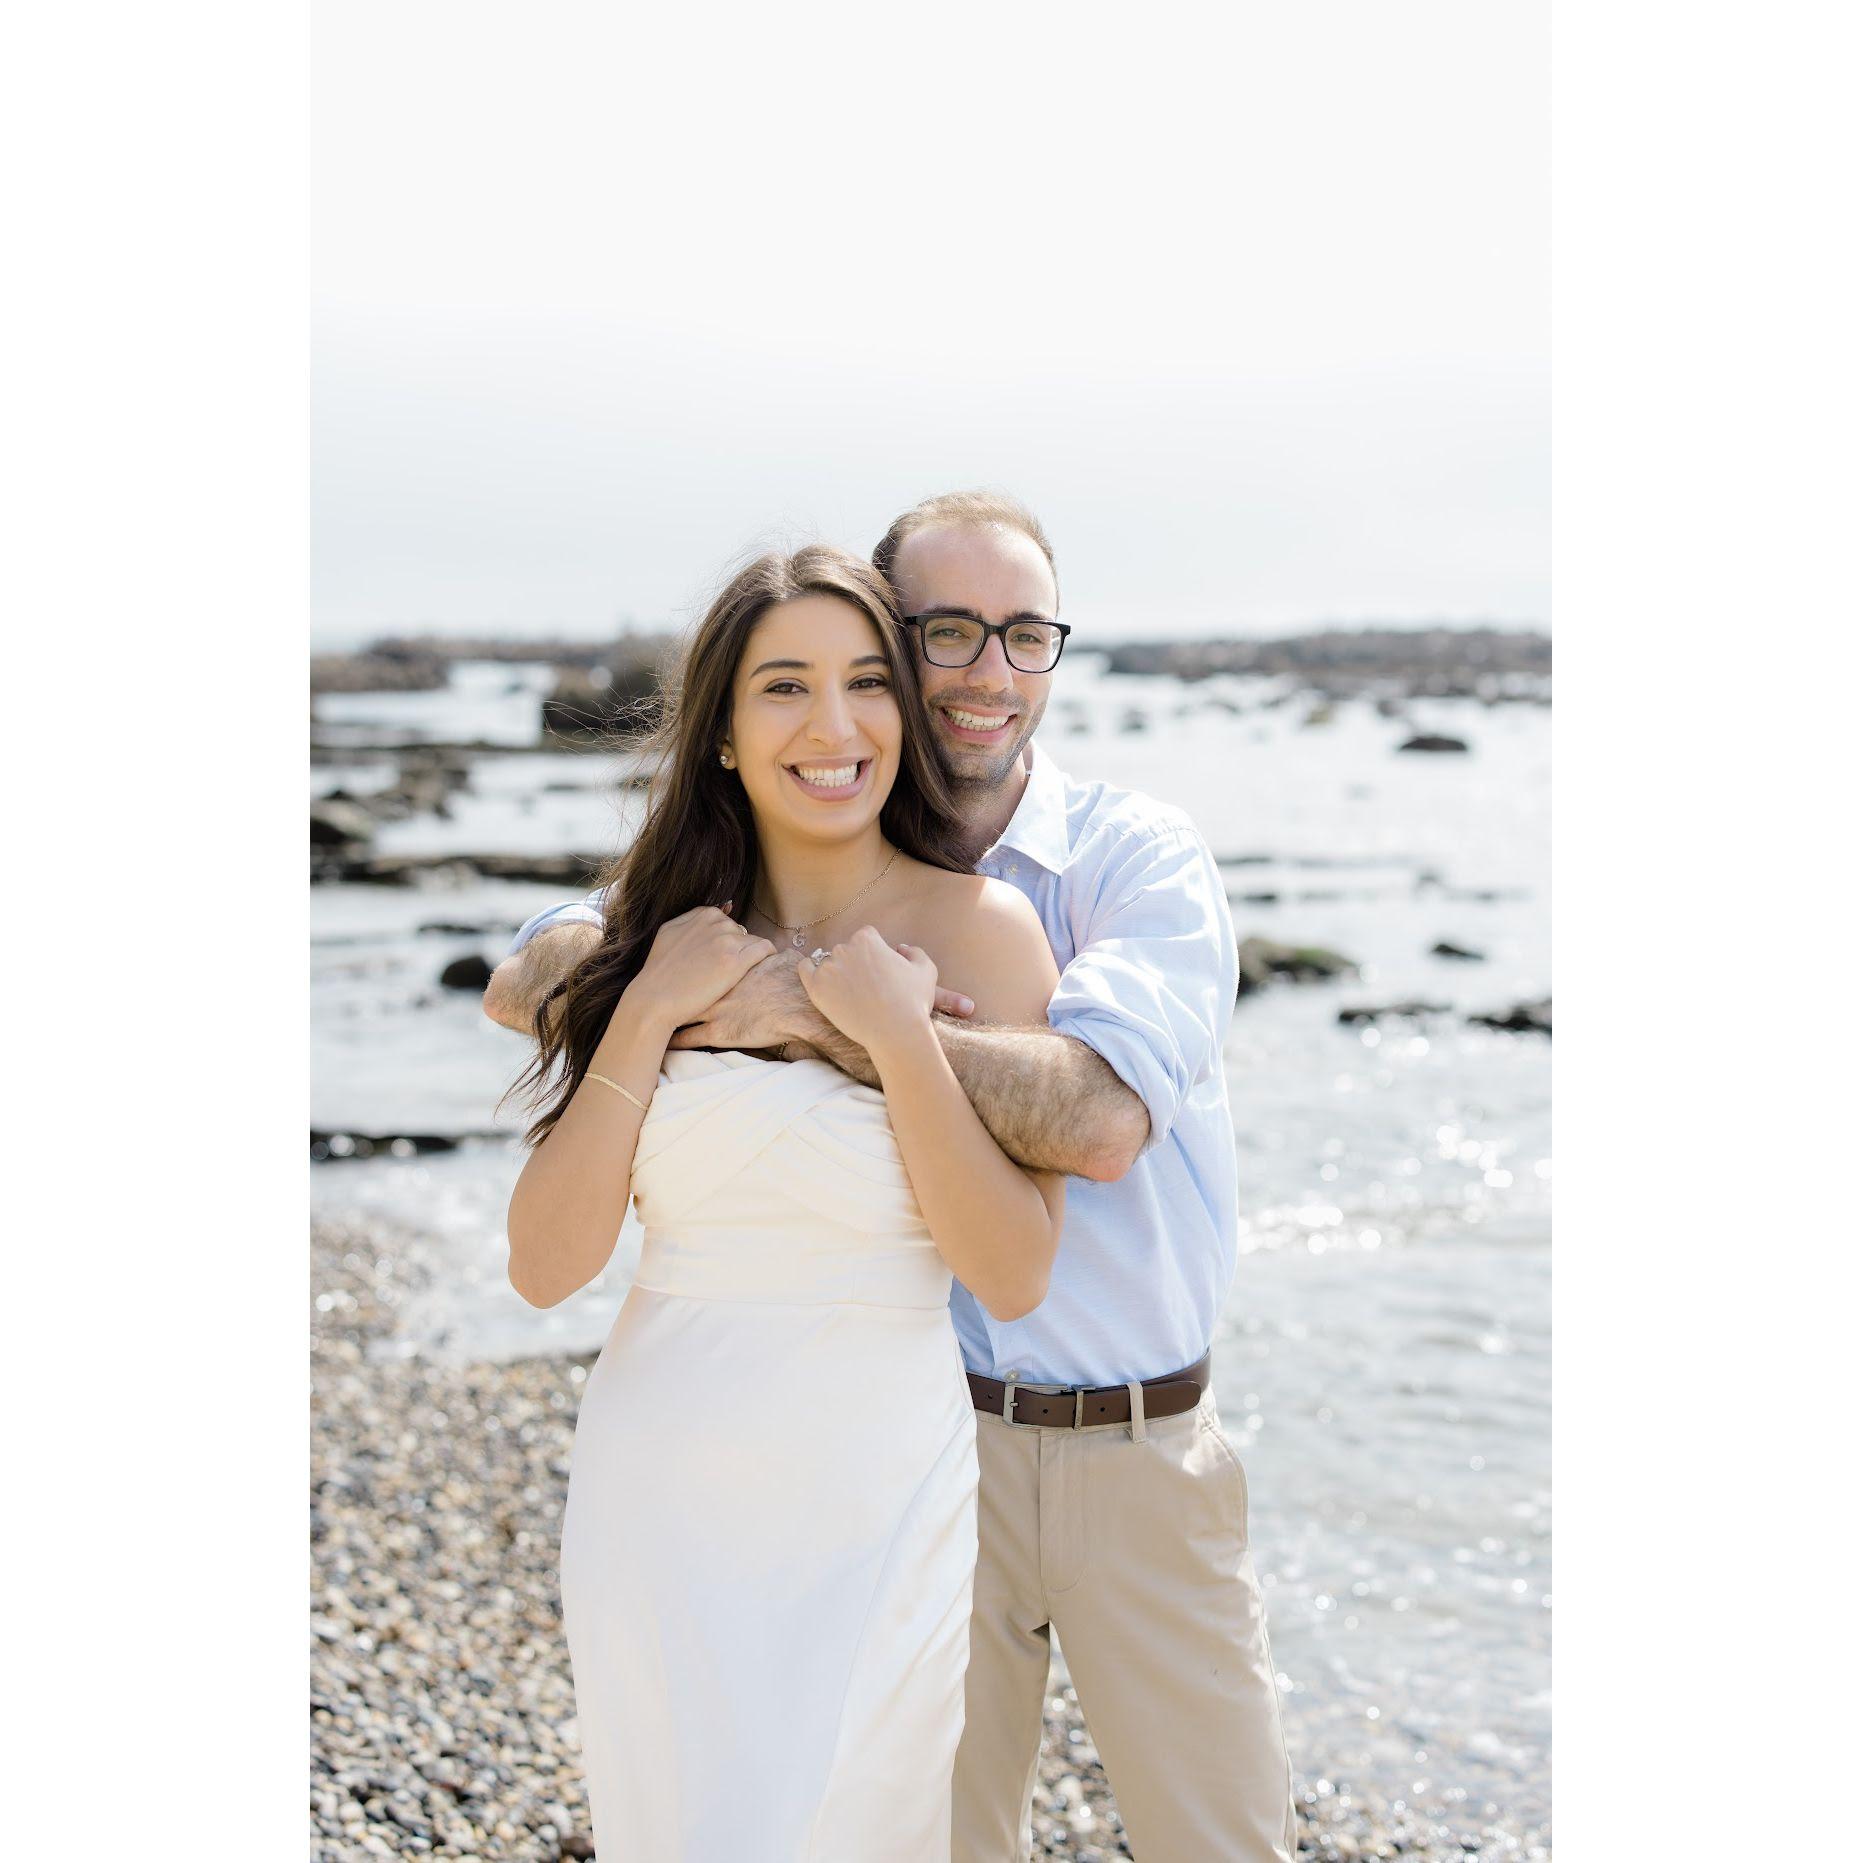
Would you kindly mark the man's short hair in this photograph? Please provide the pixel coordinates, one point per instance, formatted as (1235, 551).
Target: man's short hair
(971, 510)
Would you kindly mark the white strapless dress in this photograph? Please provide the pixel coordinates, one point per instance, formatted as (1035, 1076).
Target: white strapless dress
(771, 1528)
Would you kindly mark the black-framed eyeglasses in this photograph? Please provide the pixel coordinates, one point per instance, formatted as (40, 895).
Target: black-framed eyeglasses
(958, 640)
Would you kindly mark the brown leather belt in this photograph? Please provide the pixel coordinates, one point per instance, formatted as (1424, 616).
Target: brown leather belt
(1015, 1402)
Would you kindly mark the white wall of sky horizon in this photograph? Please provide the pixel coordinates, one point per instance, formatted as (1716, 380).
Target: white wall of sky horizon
(1251, 305)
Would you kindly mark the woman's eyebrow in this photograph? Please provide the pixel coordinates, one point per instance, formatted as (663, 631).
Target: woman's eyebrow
(808, 666)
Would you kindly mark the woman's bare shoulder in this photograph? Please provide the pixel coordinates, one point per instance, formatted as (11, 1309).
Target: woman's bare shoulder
(988, 941)
(975, 902)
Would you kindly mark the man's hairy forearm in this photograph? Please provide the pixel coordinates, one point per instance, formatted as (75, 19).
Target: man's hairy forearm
(525, 978)
(1048, 1100)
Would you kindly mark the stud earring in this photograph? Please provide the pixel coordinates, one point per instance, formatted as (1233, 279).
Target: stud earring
(724, 757)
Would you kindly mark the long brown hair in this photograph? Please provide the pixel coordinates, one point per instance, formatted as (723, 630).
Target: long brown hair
(697, 843)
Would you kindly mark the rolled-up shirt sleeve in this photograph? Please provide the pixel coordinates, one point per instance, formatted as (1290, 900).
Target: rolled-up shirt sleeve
(584, 911)
(1152, 987)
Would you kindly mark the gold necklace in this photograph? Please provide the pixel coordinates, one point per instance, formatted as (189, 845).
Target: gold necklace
(798, 933)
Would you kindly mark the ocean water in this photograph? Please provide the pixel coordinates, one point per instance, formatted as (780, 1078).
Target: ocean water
(1383, 1360)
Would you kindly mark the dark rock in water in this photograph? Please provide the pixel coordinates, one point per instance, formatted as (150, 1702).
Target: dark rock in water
(1443, 948)
(1260, 959)
(576, 872)
(466, 973)
(449, 764)
(619, 699)
(1523, 1018)
(427, 780)
(529, 649)
(425, 787)
(1339, 662)
(337, 821)
(582, 705)
(1371, 1012)
(1133, 720)
(399, 803)
(325, 1146)
(406, 668)
(372, 743)
(1433, 740)
(450, 928)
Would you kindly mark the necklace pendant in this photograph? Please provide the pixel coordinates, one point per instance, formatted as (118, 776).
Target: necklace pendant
(798, 941)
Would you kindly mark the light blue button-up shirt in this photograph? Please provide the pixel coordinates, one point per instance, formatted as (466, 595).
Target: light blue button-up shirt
(1135, 909)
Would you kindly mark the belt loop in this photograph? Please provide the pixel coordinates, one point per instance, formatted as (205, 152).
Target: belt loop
(1009, 1397)
(1080, 1406)
(1137, 1392)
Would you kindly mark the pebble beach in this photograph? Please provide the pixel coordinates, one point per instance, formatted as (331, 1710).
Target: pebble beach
(442, 1707)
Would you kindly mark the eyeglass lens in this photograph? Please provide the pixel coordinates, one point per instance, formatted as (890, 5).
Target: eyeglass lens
(951, 640)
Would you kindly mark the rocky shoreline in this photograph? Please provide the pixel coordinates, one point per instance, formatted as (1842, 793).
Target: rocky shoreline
(1495, 663)
(442, 1709)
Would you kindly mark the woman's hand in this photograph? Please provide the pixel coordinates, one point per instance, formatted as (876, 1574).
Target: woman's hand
(873, 992)
(695, 959)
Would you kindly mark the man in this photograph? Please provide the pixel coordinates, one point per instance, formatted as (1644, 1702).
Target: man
(1111, 1508)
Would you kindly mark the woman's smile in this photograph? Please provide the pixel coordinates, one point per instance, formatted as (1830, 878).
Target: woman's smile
(831, 781)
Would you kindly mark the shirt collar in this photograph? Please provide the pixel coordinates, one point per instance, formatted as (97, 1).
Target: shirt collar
(1038, 828)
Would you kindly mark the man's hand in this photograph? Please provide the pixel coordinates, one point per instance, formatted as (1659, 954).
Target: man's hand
(526, 977)
(768, 1007)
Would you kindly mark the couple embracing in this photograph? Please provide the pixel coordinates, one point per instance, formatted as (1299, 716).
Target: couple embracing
(891, 1400)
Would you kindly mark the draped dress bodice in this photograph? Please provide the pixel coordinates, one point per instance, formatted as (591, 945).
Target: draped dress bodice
(780, 1181)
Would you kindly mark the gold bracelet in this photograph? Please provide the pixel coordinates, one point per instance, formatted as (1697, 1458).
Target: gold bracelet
(632, 1099)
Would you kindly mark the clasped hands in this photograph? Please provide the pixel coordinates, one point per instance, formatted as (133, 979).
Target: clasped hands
(868, 990)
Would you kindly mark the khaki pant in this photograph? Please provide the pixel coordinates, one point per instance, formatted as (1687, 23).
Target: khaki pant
(1131, 1543)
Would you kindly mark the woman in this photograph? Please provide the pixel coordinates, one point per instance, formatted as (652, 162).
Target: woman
(771, 1526)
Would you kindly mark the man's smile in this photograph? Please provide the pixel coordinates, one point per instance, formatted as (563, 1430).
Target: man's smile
(977, 724)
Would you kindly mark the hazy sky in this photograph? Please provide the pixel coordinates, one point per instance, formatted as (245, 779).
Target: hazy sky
(1250, 303)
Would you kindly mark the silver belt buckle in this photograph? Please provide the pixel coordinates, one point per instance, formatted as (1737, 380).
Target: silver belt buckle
(1009, 1397)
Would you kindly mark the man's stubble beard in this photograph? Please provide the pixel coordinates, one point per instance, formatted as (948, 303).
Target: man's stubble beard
(975, 781)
